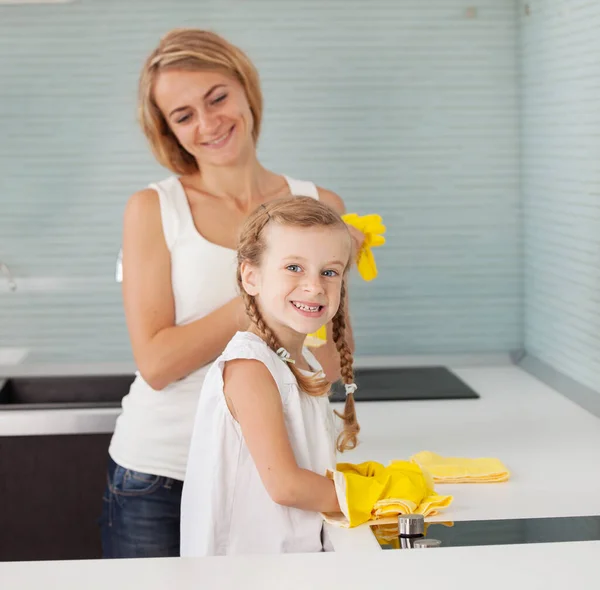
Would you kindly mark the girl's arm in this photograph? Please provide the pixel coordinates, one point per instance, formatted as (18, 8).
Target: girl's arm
(164, 352)
(254, 401)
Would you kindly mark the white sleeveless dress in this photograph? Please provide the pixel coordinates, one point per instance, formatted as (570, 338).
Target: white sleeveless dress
(225, 507)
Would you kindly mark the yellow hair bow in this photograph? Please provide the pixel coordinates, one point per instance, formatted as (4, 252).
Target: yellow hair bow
(372, 227)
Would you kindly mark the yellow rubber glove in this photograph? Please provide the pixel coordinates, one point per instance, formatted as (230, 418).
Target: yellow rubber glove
(372, 227)
(360, 488)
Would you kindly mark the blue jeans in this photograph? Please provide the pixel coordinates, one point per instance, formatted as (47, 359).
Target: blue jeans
(140, 514)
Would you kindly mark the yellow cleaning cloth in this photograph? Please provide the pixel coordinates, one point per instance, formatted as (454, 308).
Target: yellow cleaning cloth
(430, 506)
(369, 490)
(372, 227)
(461, 470)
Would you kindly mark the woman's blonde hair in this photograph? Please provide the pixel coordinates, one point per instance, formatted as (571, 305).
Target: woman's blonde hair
(300, 212)
(191, 50)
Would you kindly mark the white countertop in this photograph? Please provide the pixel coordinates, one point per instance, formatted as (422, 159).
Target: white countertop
(552, 566)
(550, 445)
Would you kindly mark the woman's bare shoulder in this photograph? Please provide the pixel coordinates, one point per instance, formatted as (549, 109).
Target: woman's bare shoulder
(332, 199)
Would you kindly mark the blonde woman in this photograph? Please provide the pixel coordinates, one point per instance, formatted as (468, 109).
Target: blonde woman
(200, 107)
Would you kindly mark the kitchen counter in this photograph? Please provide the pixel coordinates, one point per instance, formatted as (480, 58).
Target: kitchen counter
(492, 568)
(550, 444)
(547, 441)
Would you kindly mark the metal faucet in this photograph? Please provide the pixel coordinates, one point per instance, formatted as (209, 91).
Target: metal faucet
(12, 285)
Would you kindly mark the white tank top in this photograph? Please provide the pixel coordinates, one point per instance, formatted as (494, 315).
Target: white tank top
(225, 507)
(153, 431)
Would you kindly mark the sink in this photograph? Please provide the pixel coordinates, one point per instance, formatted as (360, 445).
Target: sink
(56, 392)
(98, 391)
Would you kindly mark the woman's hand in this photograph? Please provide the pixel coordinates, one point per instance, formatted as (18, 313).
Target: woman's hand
(358, 239)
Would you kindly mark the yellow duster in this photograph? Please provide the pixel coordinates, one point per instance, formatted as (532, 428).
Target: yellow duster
(372, 227)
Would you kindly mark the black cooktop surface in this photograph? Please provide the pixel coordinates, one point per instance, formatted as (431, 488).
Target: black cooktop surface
(502, 532)
(406, 383)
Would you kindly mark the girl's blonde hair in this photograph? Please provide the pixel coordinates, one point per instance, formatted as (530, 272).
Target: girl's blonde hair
(191, 50)
(300, 212)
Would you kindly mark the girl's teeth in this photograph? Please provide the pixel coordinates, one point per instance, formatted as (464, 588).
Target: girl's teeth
(306, 307)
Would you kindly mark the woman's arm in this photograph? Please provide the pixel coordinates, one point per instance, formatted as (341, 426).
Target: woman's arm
(163, 352)
(327, 355)
(254, 401)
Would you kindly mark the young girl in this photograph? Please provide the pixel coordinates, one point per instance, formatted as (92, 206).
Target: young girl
(264, 434)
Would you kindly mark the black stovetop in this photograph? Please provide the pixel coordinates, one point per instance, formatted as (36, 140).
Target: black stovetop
(406, 383)
(503, 532)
